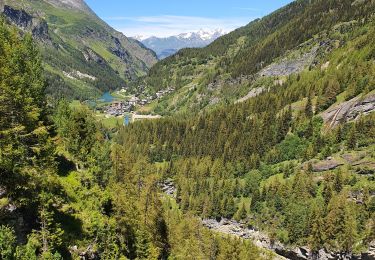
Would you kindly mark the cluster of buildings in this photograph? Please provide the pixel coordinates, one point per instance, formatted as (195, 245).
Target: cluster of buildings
(149, 98)
(164, 92)
(119, 108)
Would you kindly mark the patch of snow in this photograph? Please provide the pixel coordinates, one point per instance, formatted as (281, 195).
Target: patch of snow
(204, 35)
(141, 37)
(185, 35)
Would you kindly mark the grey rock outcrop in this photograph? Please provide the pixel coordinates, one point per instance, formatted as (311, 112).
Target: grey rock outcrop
(326, 165)
(119, 50)
(252, 93)
(19, 17)
(365, 106)
(27, 23)
(92, 56)
(289, 66)
(168, 188)
(260, 239)
(350, 110)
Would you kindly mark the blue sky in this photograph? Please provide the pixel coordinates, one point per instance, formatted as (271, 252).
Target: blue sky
(170, 17)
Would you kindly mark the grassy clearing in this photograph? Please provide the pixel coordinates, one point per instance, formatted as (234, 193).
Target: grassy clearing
(112, 122)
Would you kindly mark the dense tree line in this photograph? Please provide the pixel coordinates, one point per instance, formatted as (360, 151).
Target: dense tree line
(259, 43)
(26, 161)
(79, 192)
(68, 192)
(252, 161)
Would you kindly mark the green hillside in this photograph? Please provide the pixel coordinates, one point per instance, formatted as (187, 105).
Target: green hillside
(296, 161)
(82, 55)
(304, 33)
(265, 150)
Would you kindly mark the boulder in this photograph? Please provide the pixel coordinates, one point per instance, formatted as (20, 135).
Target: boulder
(326, 165)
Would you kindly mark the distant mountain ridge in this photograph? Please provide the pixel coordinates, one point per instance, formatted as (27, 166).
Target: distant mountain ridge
(75, 41)
(73, 4)
(165, 47)
(256, 57)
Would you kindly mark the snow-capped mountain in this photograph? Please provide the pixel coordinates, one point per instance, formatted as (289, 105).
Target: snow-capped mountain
(202, 34)
(140, 37)
(168, 46)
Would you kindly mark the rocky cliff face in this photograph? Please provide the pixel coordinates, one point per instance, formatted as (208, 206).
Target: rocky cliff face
(19, 17)
(37, 27)
(349, 110)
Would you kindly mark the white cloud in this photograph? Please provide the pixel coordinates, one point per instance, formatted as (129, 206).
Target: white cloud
(167, 25)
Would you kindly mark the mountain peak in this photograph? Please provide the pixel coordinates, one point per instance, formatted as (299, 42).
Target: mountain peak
(141, 37)
(71, 4)
(205, 35)
(167, 46)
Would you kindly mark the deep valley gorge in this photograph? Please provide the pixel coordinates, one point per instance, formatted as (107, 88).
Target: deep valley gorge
(193, 144)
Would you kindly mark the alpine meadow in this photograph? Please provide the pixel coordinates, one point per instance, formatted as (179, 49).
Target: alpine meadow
(256, 144)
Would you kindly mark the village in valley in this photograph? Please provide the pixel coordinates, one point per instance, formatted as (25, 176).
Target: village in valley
(124, 106)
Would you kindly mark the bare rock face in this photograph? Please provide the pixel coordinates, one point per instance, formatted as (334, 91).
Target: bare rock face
(40, 29)
(329, 164)
(26, 22)
(252, 93)
(287, 67)
(88, 254)
(261, 239)
(365, 106)
(19, 17)
(350, 110)
(119, 50)
(91, 56)
(168, 188)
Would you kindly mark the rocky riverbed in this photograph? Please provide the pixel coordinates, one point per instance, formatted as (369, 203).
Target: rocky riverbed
(168, 188)
(260, 239)
(232, 227)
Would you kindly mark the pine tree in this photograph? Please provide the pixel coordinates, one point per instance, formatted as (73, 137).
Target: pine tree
(308, 108)
(25, 145)
(328, 191)
(7, 242)
(241, 213)
(349, 235)
(231, 208)
(352, 137)
(317, 232)
(50, 232)
(338, 183)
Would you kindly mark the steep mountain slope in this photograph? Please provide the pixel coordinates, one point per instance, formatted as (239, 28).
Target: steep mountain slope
(62, 193)
(82, 54)
(293, 38)
(290, 165)
(165, 47)
(292, 160)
